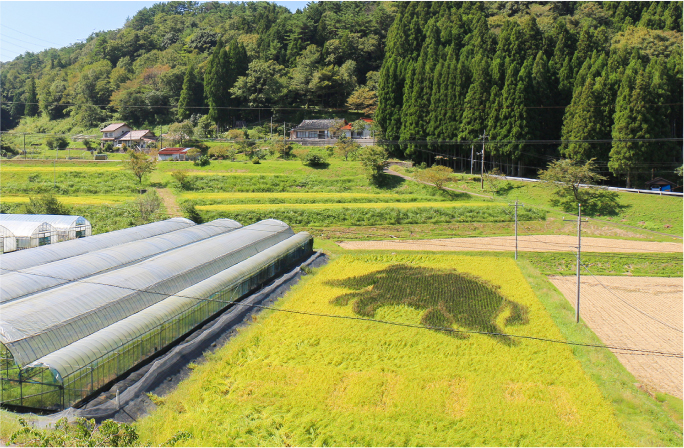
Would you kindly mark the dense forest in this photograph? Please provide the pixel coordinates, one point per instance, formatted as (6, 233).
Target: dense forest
(432, 74)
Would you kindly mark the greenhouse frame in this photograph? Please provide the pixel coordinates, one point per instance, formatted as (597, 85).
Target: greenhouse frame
(110, 329)
(68, 227)
(15, 285)
(8, 242)
(46, 254)
(30, 234)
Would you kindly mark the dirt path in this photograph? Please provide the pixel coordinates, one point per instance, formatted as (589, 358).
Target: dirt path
(394, 173)
(531, 243)
(623, 323)
(169, 202)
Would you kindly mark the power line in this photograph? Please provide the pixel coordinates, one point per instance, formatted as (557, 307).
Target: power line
(443, 329)
(14, 38)
(28, 35)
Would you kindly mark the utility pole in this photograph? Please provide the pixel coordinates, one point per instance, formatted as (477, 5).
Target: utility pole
(271, 127)
(283, 130)
(483, 137)
(24, 145)
(472, 149)
(516, 225)
(579, 250)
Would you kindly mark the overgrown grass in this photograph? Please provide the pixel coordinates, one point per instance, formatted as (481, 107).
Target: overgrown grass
(648, 265)
(293, 379)
(305, 198)
(639, 415)
(350, 216)
(646, 211)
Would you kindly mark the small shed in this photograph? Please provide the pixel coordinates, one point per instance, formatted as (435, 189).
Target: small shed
(31, 234)
(8, 242)
(660, 184)
(174, 154)
(68, 227)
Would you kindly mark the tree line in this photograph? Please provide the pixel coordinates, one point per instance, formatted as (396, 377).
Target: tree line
(584, 71)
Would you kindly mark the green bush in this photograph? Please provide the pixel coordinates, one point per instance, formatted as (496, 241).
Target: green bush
(314, 160)
(202, 161)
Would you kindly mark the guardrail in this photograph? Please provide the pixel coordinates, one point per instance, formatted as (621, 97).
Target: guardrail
(628, 190)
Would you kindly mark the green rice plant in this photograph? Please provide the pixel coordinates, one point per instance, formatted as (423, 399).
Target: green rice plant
(389, 214)
(450, 298)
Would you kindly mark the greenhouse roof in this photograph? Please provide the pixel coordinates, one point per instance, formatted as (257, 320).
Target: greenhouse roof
(15, 285)
(46, 321)
(80, 353)
(26, 228)
(46, 254)
(55, 220)
(4, 231)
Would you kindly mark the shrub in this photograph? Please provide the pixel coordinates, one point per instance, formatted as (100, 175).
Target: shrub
(374, 160)
(148, 205)
(283, 148)
(81, 432)
(218, 152)
(255, 160)
(190, 212)
(314, 159)
(436, 174)
(202, 161)
(182, 178)
(46, 204)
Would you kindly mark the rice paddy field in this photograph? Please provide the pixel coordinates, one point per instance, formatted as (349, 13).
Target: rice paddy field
(314, 380)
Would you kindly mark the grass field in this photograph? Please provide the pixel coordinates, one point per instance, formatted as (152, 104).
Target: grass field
(651, 212)
(292, 379)
(333, 206)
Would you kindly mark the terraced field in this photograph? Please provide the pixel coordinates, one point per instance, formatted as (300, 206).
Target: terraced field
(73, 200)
(294, 379)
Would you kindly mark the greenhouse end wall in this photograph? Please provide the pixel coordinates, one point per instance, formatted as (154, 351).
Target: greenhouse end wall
(41, 385)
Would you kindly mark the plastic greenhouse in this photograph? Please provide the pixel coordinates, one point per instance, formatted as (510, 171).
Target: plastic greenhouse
(30, 234)
(15, 285)
(84, 334)
(41, 255)
(68, 227)
(8, 242)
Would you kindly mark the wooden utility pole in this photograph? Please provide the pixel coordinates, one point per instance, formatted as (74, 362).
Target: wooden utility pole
(579, 262)
(472, 153)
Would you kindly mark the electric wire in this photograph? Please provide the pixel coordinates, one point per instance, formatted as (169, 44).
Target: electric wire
(443, 329)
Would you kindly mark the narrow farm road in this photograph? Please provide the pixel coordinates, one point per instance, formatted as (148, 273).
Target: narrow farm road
(169, 199)
(394, 173)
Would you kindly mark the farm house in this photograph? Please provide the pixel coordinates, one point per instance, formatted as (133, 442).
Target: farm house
(8, 242)
(47, 254)
(68, 227)
(83, 335)
(30, 234)
(15, 285)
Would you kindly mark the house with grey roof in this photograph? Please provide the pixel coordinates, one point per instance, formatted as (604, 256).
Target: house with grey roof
(120, 133)
(325, 129)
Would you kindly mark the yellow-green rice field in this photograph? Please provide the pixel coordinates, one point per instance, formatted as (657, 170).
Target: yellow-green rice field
(293, 379)
(236, 207)
(72, 200)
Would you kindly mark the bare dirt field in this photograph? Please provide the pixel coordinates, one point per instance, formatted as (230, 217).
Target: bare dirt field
(635, 312)
(533, 243)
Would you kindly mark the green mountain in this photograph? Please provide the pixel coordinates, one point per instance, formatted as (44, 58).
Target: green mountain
(427, 71)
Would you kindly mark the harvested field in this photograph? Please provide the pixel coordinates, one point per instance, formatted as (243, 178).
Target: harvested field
(620, 322)
(533, 243)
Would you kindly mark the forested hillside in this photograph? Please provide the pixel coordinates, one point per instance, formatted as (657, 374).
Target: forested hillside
(585, 71)
(434, 71)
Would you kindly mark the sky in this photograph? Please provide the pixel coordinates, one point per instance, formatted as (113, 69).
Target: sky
(39, 25)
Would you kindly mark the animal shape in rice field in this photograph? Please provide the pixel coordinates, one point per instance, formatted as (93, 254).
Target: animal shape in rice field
(448, 297)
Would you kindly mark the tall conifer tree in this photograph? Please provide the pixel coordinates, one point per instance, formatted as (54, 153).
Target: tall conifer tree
(31, 101)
